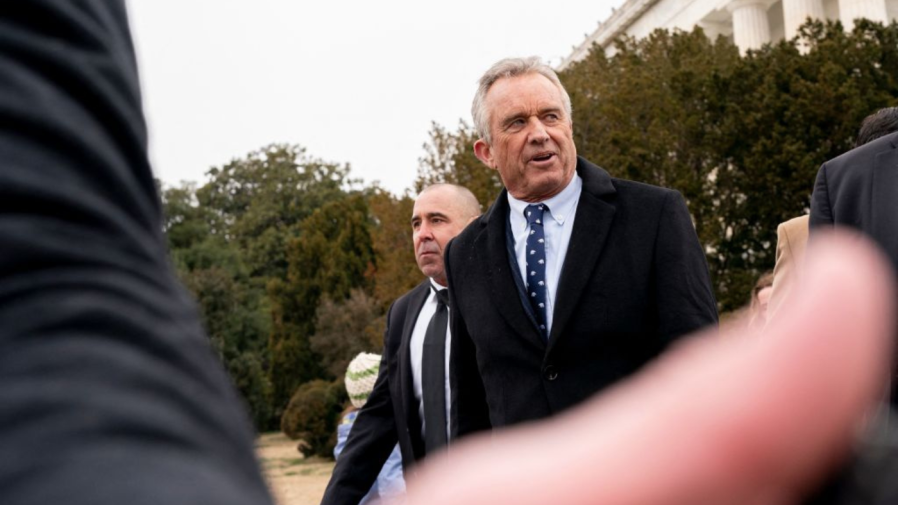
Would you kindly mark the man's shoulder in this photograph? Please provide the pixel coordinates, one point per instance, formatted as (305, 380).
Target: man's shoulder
(857, 157)
(476, 226)
(639, 196)
(475, 230)
(641, 189)
(794, 225)
(400, 308)
(402, 302)
(598, 182)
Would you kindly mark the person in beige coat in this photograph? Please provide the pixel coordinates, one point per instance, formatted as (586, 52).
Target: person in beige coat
(792, 235)
(791, 240)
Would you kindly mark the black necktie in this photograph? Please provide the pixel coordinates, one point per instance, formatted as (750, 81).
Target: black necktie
(433, 375)
(536, 264)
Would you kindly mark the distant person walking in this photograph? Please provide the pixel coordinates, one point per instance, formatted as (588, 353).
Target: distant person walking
(792, 235)
(389, 487)
(859, 189)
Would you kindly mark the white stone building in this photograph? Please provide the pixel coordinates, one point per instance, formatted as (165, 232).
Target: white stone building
(748, 23)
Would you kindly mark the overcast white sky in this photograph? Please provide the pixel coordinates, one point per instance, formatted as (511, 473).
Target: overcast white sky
(352, 81)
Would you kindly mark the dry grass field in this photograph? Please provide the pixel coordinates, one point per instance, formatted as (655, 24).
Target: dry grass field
(293, 479)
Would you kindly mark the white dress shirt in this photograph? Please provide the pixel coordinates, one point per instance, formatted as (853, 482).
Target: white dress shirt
(416, 350)
(562, 208)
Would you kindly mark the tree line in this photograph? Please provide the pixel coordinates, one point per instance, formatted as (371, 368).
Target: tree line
(294, 263)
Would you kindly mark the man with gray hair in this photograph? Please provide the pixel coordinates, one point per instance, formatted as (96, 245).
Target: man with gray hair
(573, 279)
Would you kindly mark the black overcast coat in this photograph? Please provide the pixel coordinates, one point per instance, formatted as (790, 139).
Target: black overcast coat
(634, 280)
(860, 189)
(389, 416)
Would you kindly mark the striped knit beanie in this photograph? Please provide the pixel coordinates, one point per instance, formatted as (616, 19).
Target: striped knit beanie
(360, 377)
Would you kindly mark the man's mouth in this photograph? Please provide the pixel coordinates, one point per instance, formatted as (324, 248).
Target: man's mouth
(540, 157)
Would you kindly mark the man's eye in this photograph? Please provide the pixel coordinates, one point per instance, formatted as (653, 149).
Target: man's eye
(552, 117)
(516, 124)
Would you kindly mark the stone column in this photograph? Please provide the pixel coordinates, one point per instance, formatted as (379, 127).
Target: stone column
(796, 12)
(874, 10)
(714, 29)
(750, 27)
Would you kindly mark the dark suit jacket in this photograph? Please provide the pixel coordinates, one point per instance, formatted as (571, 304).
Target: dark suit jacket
(634, 279)
(103, 362)
(389, 415)
(860, 189)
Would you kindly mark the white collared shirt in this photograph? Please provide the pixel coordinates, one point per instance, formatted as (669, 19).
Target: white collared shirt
(562, 208)
(416, 352)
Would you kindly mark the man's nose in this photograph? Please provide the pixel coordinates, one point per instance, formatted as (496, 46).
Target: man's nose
(425, 232)
(538, 133)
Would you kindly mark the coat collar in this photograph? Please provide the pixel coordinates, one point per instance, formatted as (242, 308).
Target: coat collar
(416, 300)
(596, 181)
(595, 212)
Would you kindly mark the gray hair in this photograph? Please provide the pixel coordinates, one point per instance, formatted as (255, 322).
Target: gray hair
(511, 67)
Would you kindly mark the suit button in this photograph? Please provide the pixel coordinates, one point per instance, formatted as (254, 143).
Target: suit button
(550, 373)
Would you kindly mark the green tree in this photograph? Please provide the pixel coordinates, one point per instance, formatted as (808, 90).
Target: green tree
(345, 328)
(332, 255)
(396, 269)
(740, 137)
(185, 221)
(261, 199)
(791, 113)
(312, 414)
(232, 307)
(449, 157)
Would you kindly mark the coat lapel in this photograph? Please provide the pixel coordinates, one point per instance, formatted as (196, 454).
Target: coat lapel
(591, 226)
(409, 404)
(505, 292)
(884, 203)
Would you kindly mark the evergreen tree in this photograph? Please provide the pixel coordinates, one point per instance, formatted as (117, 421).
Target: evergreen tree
(332, 255)
(740, 137)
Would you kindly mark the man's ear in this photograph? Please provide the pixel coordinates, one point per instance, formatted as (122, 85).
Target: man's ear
(484, 153)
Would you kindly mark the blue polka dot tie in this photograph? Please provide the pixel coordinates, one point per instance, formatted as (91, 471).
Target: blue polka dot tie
(536, 264)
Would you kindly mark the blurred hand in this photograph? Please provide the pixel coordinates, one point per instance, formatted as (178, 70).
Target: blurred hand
(747, 419)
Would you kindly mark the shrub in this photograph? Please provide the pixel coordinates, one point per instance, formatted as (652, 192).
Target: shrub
(312, 416)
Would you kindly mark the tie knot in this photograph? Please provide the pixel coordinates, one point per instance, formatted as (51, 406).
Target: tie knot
(534, 213)
(442, 295)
